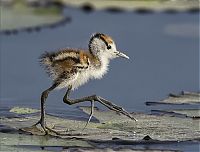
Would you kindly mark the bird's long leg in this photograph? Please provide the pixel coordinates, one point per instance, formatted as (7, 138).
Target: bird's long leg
(44, 96)
(99, 99)
(91, 114)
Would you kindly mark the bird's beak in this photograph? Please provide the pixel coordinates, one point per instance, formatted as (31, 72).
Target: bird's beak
(120, 54)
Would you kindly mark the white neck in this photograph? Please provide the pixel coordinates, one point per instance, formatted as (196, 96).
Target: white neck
(98, 72)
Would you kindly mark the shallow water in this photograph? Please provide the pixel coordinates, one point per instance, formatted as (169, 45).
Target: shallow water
(163, 51)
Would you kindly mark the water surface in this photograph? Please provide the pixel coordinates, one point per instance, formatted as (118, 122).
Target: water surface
(163, 50)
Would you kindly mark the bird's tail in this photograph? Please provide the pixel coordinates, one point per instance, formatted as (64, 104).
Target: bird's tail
(46, 61)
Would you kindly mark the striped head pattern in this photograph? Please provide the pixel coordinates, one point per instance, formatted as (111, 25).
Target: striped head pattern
(102, 45)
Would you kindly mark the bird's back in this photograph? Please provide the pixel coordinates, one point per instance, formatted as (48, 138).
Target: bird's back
(67, 65)
(65, 60)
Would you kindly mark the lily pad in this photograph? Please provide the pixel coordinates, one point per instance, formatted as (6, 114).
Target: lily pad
(19, 110)
(188, 113)
(111, 131)
(22, 17)
(193, 113)
(183, 98)
(113, 125)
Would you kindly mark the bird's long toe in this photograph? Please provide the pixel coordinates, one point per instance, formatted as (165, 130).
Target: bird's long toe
(43, 126)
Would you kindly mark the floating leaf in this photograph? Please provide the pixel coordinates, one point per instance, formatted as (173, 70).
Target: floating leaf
(183, 98)
(20, 110)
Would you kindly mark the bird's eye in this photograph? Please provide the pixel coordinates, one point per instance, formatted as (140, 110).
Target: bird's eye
(108, 47)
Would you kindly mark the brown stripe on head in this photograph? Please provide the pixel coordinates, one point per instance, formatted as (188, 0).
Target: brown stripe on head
(106, 38)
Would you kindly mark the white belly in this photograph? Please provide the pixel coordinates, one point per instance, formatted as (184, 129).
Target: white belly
(85, 76)
(81, 79)
(75, 82)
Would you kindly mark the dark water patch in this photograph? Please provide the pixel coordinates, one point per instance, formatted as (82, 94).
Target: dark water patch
(87, 8)
(14, 31)
(6, 32)
(4, 113)
(194, 10)
(170, 11)
(37, 28)
(144, 11)
(7, 129)
(155, 103)
(160, 103)
(65, 20)
(29, 29)
(114, 10)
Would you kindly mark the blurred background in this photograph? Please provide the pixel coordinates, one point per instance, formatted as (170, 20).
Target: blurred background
(161, 37)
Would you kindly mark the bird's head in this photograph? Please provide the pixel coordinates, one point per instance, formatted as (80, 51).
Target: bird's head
(101, 45)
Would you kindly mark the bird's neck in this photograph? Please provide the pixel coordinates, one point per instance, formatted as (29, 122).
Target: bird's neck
(103, 59)
(100, 67)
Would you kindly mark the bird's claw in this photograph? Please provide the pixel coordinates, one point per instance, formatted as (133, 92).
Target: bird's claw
(45, 128)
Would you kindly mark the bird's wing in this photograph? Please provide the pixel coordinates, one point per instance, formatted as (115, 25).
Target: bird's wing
(64, 62)
(71, 60)
(83, 61)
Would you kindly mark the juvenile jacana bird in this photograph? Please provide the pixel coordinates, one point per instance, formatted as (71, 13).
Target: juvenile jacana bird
(71, 68)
